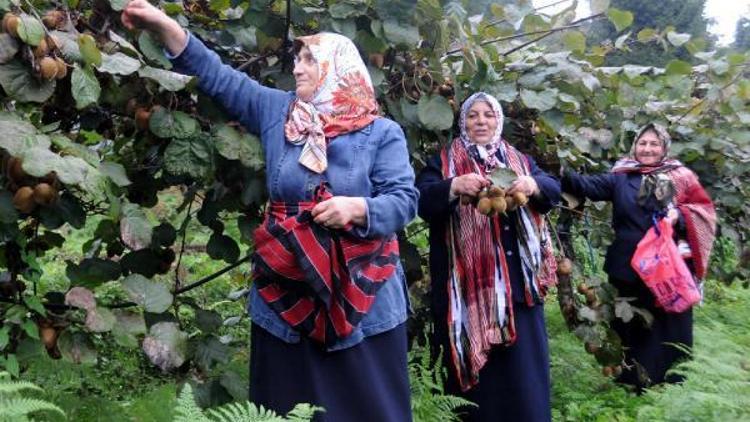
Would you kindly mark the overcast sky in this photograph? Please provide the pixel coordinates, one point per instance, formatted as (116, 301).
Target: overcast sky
(724, 12)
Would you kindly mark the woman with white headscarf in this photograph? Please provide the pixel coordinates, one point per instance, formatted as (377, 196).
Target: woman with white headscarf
(328, 300)
(645, 185)
(489, 273)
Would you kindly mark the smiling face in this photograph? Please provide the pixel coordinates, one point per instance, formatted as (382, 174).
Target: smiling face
(305, 74)
(649, 149)
(481, 123)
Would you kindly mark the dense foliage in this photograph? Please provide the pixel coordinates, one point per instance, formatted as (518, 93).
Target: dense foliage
(95, 126)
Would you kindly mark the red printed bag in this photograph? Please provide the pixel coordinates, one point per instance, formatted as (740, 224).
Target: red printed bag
(661, 267)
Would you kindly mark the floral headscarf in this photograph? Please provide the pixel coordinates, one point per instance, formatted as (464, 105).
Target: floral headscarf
(630, 161)
(484, 154)
(344, 99)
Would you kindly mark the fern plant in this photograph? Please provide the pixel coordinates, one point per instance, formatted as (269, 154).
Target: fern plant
(429, 402)
(17, 408)
(187, 410)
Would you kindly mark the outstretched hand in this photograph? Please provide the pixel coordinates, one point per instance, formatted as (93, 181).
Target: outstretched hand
(140, 14)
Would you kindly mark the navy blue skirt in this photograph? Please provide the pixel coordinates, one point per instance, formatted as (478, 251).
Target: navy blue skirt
(367, 382)
(514, 384)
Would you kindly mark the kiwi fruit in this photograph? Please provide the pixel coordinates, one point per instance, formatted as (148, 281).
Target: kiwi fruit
(15, 170)
(484, 206)
(520, 198)
(23, 200)
(10, 24)
(142, 117)
(45, 194)
(48, 68)
(564, 266)
(62, 68)
(499, 204)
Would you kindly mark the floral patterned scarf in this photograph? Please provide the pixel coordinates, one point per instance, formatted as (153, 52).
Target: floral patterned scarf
(344, 100)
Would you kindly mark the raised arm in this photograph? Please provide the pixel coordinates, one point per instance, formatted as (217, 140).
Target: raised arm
(599, 187)
(243, 98)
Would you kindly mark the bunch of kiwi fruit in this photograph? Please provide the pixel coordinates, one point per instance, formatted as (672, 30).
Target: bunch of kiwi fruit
(30, 192)
(494, 200)
(44, 57)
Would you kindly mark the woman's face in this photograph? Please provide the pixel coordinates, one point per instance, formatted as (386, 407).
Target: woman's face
(481, 123)
(649, 149)
(305, 74)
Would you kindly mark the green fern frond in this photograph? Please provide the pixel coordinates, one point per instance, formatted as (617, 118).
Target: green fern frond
(303, 412)
(186, 410)
(245, 412)
(18, 407)
(12, 387)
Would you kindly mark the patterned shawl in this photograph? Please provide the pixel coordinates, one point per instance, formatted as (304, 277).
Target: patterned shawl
(480, 311)
(344, 100)
(673, 184)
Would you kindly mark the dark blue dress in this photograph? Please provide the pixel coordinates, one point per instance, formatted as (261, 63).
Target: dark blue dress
(649, 350)
(514, 385)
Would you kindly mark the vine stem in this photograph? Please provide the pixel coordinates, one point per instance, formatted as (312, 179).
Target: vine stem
(703, 100)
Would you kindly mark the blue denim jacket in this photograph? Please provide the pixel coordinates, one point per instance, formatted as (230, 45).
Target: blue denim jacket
(372, 163)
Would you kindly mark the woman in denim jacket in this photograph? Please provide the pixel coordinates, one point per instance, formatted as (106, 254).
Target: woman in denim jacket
(328, 302)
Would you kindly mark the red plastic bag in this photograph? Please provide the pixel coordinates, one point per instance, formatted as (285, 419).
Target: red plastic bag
(662, 268)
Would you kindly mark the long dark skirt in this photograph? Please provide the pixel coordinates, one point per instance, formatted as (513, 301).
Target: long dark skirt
(367, 382)
(514, 384)
(651, 351)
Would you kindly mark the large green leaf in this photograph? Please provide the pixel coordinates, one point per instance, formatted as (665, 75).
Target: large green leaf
(677, 39)
(128, 325)
(30, 30)
(135, 229)
(399, 34)
(100, 320)
(222, 247)
(115, 172)
(621, 19)
(542, 101)
(209, 351)
(8, 48)
(575, 41)
(89, 51)
(18, 82)
(77, 347)
(119, 64)
(8, 213)
(153, 296)
(152, 50)
(166, 345)
(191, 156)
(434, 112)
(80, 297)
(68, 45)
(84, 87)
(16, 133)
(170, 81)
(234, 145)
(678, 67)
(92, 272)
(118, 5)
(172, 124)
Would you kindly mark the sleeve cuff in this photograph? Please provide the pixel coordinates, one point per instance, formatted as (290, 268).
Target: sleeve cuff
(171, 57)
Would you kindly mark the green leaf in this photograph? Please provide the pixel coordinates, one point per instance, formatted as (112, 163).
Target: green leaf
(123, 43)
(118, 64)
(222, 247)
(575, 41)
(16, 133)
(164, 235)
(30, 328)
(677, 39)
(8, 213)
(503, 177)
(100, 320)
(4, 337)
(347, 10)
(35, 304)
(678, 67)
(118, 5)
(234, 145)
(207, 321)
(84, 87)
(153, 296)
(166, 345)
(210, 351)
(191, 156)
(77, 347)
(30, 30)
(8, 48)
(542, 101)
(135, 229)
(92, 272)
(115, 172)
(434, 112)
(11, 365)
(152, 50)
(621, 19)
(599, 6)
(68, 45)
(647, 34)
(18, 82)
(80, 297)
(170, 81)
(171, 124)
(404, 36)
(89, 51)
(128, 325)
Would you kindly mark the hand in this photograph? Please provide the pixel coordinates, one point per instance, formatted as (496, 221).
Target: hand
(337, 212)
(672, 216)
(525, 184)
(468, 184)
(140, 14)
